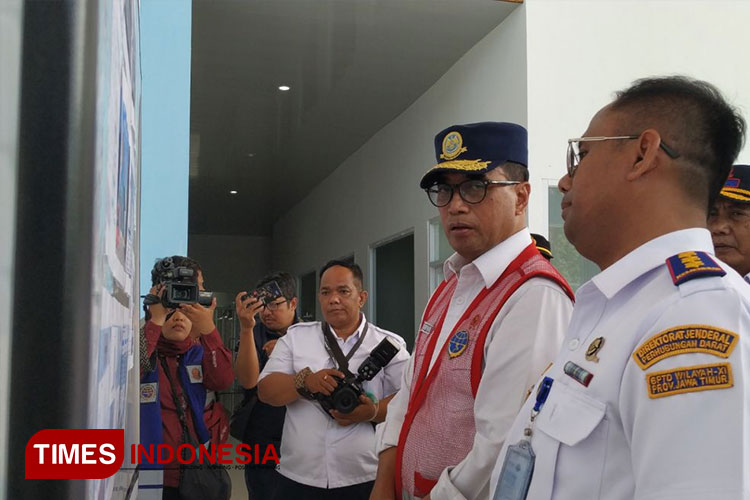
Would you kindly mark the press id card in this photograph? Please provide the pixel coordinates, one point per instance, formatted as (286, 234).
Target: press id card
(515, 476)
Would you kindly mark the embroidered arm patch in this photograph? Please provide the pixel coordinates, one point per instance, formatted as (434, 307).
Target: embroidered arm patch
(689, 379)
(689, 265)
(683, 339)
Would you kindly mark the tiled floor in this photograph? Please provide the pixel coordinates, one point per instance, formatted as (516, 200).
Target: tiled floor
(239, 491)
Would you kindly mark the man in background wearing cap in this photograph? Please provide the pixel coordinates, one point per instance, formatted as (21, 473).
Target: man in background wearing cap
(489, 330)
(729, 221)
(543, 245)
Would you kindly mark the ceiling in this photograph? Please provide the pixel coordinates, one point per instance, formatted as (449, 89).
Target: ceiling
(352, 65)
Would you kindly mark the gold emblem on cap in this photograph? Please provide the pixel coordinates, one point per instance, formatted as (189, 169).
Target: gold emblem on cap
(452, 145)
(594, 347)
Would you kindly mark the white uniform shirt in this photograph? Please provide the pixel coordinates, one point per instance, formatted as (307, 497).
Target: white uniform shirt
(613, 439)
(315, 450)
(521, 342)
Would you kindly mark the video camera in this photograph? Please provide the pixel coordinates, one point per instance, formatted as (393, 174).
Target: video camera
(180, 286)
(345, 396)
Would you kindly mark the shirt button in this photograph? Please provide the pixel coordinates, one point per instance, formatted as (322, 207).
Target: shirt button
(573, 344)
(460, 301)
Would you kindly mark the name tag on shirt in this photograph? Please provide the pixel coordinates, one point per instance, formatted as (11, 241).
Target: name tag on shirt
(195, 372)
(426, 328)
(515, 477)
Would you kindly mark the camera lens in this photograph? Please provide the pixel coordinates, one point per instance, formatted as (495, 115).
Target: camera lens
(345, 400)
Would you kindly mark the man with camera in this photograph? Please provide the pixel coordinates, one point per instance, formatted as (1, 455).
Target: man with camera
(489, 330)
(274, 300)
(336, 378)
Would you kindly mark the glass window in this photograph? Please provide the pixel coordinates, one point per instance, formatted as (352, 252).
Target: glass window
(307, 296)
(576, 269)
(393, 290)
(440, 249)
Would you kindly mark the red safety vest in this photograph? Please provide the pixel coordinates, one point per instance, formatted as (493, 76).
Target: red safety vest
(438, 429)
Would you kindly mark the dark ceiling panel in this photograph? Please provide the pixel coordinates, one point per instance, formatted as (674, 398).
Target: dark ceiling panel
(353, 66)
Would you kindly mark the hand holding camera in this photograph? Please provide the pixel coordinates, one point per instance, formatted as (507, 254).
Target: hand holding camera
(156, 309)
(202, 317)
(247, 307)
(323, 381)
(365, 412)
(265, 294)
(346, 395)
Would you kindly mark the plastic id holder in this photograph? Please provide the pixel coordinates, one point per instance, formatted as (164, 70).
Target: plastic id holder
(515, 476)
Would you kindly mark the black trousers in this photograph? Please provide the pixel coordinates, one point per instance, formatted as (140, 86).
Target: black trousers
(261, 482)
(289, 489)
(170, 494)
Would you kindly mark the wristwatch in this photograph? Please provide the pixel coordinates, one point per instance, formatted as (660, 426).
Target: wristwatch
(299, 383)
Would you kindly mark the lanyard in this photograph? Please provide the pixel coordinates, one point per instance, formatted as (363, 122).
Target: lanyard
(335, 352)
(541, 398)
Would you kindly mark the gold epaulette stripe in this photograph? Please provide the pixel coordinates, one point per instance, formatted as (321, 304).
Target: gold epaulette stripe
(470, 165)
(736, 193)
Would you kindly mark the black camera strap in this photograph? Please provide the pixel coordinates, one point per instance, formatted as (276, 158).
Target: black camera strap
(186, 436)
(335, 350)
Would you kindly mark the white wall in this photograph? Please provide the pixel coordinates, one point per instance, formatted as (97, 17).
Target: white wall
(375, 193)
(231, 263)
(580, 52)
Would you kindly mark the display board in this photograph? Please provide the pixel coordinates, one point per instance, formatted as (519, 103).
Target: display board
(113, 377)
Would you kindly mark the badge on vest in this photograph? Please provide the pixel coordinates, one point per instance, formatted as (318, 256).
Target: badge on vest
(195, 372)
(148, 392)
(457, 344)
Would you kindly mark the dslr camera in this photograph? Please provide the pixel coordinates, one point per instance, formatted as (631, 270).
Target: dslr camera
(345, 396)
(267, 293)
(180, 286)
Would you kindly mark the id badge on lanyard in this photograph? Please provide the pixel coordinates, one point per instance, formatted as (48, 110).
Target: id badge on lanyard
(518, 467)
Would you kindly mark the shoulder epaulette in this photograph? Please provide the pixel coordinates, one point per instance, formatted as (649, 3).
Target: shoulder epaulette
(686, 266)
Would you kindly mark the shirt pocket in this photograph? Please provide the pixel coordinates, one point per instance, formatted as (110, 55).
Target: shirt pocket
(456, 391)
(579, 423)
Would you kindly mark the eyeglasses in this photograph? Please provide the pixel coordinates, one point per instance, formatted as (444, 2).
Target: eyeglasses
(471, 191)
(574, 154)
(274, 306)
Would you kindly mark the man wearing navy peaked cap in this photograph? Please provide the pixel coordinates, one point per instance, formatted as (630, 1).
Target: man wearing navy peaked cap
(729, 221)
(489, 330)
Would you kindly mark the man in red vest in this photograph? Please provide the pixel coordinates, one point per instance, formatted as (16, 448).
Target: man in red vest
(489, 330)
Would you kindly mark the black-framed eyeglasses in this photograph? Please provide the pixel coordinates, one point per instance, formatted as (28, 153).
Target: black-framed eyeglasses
(274, 306)
(574, 153)
(471, 191)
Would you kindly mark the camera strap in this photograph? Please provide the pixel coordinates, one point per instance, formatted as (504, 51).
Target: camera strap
(335, 350)
(186, 436)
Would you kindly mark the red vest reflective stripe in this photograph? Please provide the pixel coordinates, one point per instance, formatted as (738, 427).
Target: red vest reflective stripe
(438, 429)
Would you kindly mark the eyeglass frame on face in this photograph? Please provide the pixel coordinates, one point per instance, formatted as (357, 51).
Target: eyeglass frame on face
(573, 160)
(275, 305)
(457, 188)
